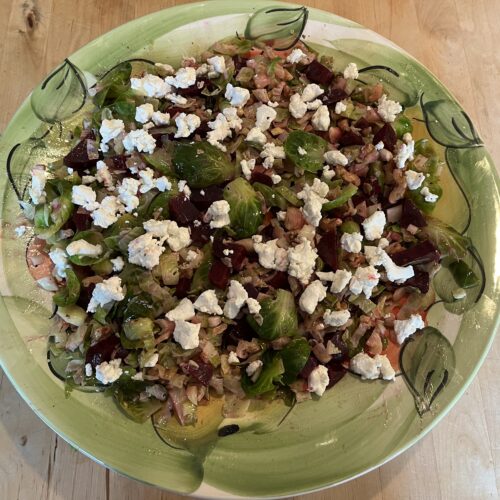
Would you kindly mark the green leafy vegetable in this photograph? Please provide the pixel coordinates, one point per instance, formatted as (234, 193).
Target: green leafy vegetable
(114, 86)
(139, 333)
(418, 199)
(464, 276)
(169, 268)
(366, 305)
(202, 164)
(289, 196)
(279, 317)
(200, 278)
(448, 241)
(402, 125)
(270, 375)
(160, 160)
(294, 356)
(347, 193)
(68, 295)
(126, 395)
(271, 197)
(313, 145)
(245, 208)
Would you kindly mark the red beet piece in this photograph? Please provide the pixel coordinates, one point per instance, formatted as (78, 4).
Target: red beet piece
(194, 90)
(328, 248)
(236, 253)
(201, 373)
(102, 350)
(81, 219)
(252, 291)
(420, 281)
(387, 135)
(210, 194)
(182, 210)
(182, 287)
(241, 330)
(333, 96)
(200, 234)
(335, 373)
(219, 274)
(119, 162)
(411, 215)
(78, 157)
(310, 365)
(419, 254)
(279, 280)
(319, 73)
(351, 138)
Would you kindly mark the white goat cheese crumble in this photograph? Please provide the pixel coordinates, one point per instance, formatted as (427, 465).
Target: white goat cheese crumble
(184, 311)
(373, 226)
(302, 261)
(407, 327)
(372, 368)
(218, 214)
(336, 318)
(207, 303)
(313, 294)
(387, 109)
(106, 292)
(351, 242)
(108, 372)
(318, 380)
(186, 334)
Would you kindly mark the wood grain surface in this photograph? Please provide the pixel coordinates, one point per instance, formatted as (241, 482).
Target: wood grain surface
(455, 39)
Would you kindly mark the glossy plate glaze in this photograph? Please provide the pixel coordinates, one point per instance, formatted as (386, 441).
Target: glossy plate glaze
(356, 426)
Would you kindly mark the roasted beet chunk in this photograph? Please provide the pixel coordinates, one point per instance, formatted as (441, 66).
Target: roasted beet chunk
(102, 351)
(310, 365)
(200, 233)
(119, 162)
(328, 248)
(202, 372)
(203, 198)
(219, 274)
(252, 291)
(420, 281)
(418, 254)
(279, 280)
(230, 253)
(351, 138)
(182, 210)
(319, 73)
(333, 96)
(259, 174)
(412, 215)
(182, 287)
(81, 219)
(241, 330)
(84, 154)
(335, 373)
(387, 135)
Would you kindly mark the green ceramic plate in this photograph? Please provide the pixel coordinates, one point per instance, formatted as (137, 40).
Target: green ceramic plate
(353, 428)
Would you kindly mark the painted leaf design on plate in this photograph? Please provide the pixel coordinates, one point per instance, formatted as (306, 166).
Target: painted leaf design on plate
(427, 362)
(62, 94)
(284, 26)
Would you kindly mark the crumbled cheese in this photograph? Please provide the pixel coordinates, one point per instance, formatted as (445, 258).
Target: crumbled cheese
(314, 105)
(103, 175)
(459, 293)
(184, 311)
(207, 303)
(160, 118)
(217, 64)
(37, 189)
(144, 112)
(340, 281)
(150, 86)
(219, 130)
(147, 180)
(184, 78)
(372, 368)
(253, 306)
(145, 251)
(236, 298)
(107, 212)
(177, 237)
(191, 255)
(373, 226)
(166, 69)
(301, 151)
(321, 119)
(256, 135)
(234, 121)
(246, 168)
(296, 106)
(232, 359)
(183, 187)
(325, 276)
(88, 179)
(428, 196)
(302, 260)
(379, 146)
(138, 376)
(340, 107)
(407, 327)
(335, 157)
(186, 124)
(88, 370)
(107, 373)
(414, 179)
(187, 334)
(237, 96)
(376, 256)
(314, 198)
(253, 367)
(271, 256)
(405, 153)
(264, 117)
(270, 153)
(60, 260)
(85, 197)
(218, 214)
(163, 184)
(351, 71)
(176, 99)
(313, 294)
(83, 248)
(20, 230)
(110, 129)
(295, 56)
(127, 193)
(365, 279)
(141, 140)
(318, 380)
(311, 92)
(327, 173)
(336, 318)
(70, 171)
(351, 242)
(387, 109)
(104, 293)
(227, 251)
(276, 178)
(117, 263)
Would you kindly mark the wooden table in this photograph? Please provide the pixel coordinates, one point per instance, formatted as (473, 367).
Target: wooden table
(455, 39)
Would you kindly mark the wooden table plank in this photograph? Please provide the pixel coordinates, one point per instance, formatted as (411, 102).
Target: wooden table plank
(455, 39)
